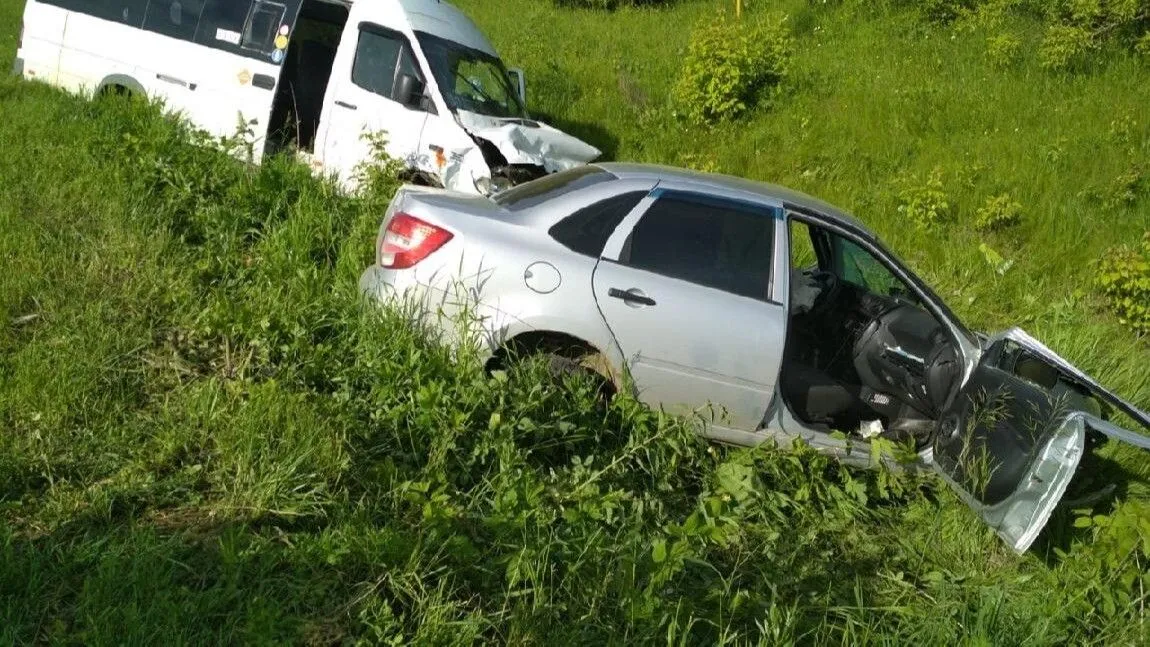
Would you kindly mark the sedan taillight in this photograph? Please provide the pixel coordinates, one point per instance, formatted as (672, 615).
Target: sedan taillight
(408, 240)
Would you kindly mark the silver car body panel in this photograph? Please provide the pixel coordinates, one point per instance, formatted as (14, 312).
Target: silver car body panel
(481, 272)
(703, 358)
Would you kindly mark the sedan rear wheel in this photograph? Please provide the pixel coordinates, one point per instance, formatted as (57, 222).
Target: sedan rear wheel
(587, 367)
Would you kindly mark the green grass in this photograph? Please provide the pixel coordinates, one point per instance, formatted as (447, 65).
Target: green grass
(203, 438)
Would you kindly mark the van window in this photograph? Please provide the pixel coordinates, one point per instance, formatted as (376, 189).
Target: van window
(129, 12)
(175, 18)
(244, 27)
(263, 25)
(220, 20)
(380, 58)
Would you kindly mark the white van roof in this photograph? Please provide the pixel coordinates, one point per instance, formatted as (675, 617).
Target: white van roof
(442, 19)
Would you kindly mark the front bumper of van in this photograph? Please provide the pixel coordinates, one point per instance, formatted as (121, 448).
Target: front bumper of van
(18, 67)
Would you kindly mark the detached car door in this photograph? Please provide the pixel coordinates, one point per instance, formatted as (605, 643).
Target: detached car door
(1013, 437)
(685, 288)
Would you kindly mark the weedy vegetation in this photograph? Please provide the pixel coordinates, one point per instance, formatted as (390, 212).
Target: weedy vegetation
(205, 435)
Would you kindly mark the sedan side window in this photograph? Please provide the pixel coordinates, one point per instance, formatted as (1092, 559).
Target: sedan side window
(379, 60)
(587, 230)
(859, 267)
(715, 244)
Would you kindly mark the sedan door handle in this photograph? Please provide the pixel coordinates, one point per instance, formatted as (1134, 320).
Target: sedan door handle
(632, 296)
(344, 104)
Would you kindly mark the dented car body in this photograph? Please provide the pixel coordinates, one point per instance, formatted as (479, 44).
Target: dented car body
(315, 76)
(765, 314)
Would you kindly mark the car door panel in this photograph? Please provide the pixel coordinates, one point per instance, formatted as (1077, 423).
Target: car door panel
(694, 345)
(1010, 447)
(695, 332)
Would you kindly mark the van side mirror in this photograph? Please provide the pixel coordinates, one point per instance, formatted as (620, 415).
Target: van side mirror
(409, 91)
(519, 82)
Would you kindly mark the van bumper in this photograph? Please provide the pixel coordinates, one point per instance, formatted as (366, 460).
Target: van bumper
(18, 67)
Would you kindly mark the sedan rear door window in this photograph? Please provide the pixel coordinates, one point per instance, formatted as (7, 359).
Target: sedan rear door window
(716, 244)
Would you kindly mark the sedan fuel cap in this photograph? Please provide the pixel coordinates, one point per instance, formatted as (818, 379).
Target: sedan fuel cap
(542, 277)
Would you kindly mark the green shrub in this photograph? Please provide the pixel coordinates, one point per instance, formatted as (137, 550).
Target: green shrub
(1065, 47)
(1142, 45)
(1074, 29)
(1125, 190)
(1003, 50)
(998, 212)
(731, 66)
(944, 11)
(1124, 278)
(1122, 553)
(925, 203)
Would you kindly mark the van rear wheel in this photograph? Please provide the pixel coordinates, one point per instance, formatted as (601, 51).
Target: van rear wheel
(115, 91)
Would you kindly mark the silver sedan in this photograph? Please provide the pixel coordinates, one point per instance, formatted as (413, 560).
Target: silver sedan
(781, 313)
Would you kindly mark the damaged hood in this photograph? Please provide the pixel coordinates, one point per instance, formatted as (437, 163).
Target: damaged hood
(526, 141)
(1072, 372)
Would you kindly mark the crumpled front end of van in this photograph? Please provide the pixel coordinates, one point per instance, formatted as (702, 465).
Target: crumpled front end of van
(508, 152)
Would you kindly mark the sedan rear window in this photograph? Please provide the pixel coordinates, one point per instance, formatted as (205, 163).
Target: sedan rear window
(544, 189)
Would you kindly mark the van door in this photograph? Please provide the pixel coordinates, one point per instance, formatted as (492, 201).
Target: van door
(363, 98)
(38, 56)
(220, 90)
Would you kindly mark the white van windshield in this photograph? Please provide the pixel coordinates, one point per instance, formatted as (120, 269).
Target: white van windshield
(470, 79)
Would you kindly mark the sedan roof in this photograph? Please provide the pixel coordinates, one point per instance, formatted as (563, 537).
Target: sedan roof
(788, 197)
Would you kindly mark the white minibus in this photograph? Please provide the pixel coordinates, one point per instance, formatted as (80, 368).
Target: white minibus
(314, 76)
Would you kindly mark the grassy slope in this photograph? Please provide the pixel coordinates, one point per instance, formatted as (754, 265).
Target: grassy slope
(203, 441)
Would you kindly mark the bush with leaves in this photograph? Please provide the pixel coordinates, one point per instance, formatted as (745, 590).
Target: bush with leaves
(1124, 278)
(1065, 47)
(1073, 29)
(925, 203)
(1142, 46)
(1003, 50)
(1122, 550)
(999, 212)
(732, 65)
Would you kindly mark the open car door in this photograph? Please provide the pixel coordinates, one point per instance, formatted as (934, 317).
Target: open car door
(1012, 438)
